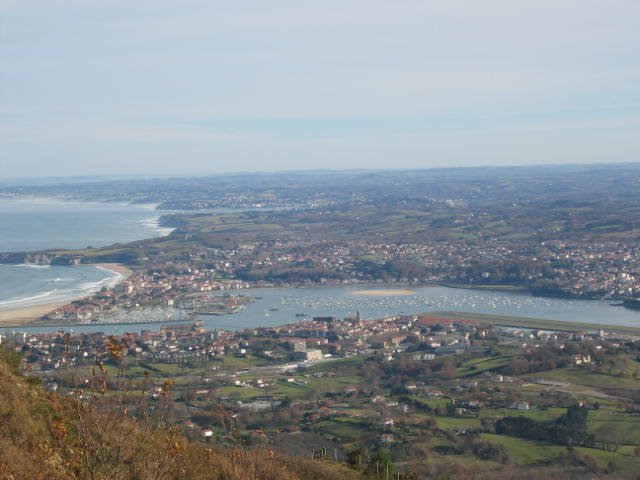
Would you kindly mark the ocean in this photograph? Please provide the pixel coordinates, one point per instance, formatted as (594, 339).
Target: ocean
(27, 285)
(29, 224)
(41, 224)
(35, 224)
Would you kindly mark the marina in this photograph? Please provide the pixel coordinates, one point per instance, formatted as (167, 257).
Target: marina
(280, 306)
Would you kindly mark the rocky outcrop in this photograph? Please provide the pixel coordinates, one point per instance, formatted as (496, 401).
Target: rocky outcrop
(41, 258)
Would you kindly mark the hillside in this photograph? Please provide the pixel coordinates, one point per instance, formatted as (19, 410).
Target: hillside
(47, 436)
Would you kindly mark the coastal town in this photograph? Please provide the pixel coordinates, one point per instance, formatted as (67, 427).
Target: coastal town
(319, 240)
(442, 342)
(571, 269)
(495, 230)
(174, 293)
(306, 342)
(346, 383)
(233, 339)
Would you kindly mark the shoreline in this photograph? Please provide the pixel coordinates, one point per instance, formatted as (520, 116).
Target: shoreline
(24, 315)
(516, 322)
(150, 225)
(118, 268)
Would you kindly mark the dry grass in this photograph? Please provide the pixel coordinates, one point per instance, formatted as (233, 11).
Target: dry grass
(82, 436)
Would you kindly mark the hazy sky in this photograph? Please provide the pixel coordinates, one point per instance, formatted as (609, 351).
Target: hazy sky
(203, 86)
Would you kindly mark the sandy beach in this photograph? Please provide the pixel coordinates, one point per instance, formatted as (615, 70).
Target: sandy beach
(114, 267)
(383, 293)
(25, 315)
(31, 313)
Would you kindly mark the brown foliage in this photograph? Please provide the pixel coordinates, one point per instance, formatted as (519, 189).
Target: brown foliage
(83, 436)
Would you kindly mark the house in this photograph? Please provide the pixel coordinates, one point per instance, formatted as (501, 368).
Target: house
(521, 405)
(581, 359)
(434, 393)
(314, 355)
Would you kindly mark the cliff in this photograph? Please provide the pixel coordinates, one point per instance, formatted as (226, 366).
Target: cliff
(124, 256)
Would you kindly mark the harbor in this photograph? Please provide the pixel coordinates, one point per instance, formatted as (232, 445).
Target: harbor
(267, 307)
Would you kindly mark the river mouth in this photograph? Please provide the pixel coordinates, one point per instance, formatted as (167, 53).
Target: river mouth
(279, 306)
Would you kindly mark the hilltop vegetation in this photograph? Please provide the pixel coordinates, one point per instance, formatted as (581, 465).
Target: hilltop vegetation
(510, 406)
(478, 402)
(49, 436)
(79, 436)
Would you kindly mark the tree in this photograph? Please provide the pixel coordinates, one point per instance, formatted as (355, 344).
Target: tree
(571, 428)
(381, 465)
(357, 457)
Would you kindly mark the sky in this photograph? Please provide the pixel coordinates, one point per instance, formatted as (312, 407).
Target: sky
(119, 87)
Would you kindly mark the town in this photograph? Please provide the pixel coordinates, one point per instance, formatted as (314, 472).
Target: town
(570, 269)
(494, 229)
(426, 395)
(405, 384)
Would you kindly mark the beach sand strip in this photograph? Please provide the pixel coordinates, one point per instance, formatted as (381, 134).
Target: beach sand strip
(30, 313)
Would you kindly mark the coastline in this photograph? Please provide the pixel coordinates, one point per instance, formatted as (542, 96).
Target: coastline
(24, 315)
(512, 316)
(141, 221)
(118, 268)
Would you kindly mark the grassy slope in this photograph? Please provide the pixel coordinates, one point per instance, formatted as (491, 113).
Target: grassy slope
(46, 436)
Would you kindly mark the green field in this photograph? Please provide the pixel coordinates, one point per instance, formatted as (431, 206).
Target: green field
(615, 426)
(525, 452)
(539, 323)
(547, 414)
(345, 428)
(475, 366)
(580, 376)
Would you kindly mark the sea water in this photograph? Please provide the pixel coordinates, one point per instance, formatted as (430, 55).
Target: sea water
(40, 224)
(27, 285)
(31, 224)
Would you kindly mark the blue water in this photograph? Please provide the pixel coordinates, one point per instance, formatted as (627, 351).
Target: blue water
(42, 224)
(37, 224)
(32, 224)
(25, 285)
(279, 306)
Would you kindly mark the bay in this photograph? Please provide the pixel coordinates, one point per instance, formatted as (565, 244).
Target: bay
(31, 224)
(28, 285)
(35, 224)
(280, 306)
